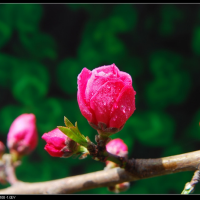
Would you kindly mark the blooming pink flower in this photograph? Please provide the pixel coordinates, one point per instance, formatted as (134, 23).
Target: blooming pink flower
(22, 136)
(106, 97)
(117, 147)
(59, 144)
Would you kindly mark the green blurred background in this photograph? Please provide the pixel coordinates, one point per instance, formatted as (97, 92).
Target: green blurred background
(43, 47)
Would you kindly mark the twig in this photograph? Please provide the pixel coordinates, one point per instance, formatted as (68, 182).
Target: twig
(189, 186)
(9, 167)
(142, 168)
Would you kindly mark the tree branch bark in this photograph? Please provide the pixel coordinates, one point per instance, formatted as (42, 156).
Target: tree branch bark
(141, 168)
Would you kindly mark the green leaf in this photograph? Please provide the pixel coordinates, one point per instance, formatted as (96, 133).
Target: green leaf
(67, 122)
(77, 132)
(74, 128)
(74, 134)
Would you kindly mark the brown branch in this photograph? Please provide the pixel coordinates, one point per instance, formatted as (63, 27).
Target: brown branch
(141, 168)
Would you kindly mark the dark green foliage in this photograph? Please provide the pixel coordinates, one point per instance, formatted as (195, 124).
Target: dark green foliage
(44, 47)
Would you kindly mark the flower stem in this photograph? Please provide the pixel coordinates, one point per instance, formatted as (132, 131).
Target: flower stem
(121, 161)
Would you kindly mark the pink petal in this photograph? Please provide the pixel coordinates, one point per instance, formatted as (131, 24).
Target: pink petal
(117, 147)
(123, 108)
(107, 69)
(54, 133)
(23, 131)
(104, 98)
(100, 76)
(82, 82)
(52, 151)
(55, 138)
(125, 77)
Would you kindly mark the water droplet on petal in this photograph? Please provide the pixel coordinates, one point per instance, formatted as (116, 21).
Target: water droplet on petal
(114, 118)
(123, 109)
(115, 106)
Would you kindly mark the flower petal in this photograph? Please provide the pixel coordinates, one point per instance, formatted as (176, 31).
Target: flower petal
(23, 131)
(107, 69)
(117, 147)
(82, 82)
(103, 100)
(100, 76)
(125, 77)
(52, 151)
(123, 108)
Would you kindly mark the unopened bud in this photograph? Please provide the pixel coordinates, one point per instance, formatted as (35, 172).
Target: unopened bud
(59, 144)
(22, 136)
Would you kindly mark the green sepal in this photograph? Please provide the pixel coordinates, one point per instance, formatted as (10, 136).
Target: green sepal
(82, 149)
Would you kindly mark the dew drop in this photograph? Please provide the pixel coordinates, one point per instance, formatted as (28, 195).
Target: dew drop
(123, 109)
(115, 106)
(114, 118)
(101, 74)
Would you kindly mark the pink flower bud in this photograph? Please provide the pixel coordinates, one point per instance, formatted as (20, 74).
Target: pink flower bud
(117, 147)
(2, 149)
(59, 144)
(106, 97)
(22, 136)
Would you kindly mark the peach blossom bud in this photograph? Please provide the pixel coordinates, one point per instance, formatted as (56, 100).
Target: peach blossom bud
(106, 98)
(59, 144)
(22, 136)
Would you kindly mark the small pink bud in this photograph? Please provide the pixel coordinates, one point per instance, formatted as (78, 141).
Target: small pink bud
(117, 147)
(106, 98)
(2, 149)
(59, 144)
(22, 136)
